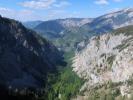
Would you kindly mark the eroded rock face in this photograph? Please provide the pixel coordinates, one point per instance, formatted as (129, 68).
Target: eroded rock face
(106, 58)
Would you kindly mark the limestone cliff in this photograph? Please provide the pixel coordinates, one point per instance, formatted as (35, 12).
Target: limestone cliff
(106, 58)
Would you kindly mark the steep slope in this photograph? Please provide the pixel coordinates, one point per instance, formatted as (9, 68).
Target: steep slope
(50, 29)
(107, 58)
(111, 21)
(25, 57)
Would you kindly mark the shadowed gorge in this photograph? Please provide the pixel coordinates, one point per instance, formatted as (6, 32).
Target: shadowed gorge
(25, 57)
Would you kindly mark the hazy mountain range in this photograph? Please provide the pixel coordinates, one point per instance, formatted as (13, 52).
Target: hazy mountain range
(67, 33)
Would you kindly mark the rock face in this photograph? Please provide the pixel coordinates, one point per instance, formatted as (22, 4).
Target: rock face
(25, 57)
(74, 22)
(108, 57)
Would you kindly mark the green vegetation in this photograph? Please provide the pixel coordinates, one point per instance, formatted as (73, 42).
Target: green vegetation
(97, 41)
(122, 46)
(102, 55)
(65, 84)
(69, 40)
(108, 91)
(110, 60)
(127, 30)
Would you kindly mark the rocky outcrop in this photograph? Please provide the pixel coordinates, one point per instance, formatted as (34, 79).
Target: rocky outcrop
(106, 58)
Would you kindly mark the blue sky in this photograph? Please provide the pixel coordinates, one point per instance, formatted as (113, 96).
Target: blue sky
(28, 10)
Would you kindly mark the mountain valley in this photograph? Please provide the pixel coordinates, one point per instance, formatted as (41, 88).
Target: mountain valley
(68, 59)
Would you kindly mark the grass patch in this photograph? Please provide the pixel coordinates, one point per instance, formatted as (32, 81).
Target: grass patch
(126, 30)
(121, 47)
(110, 60)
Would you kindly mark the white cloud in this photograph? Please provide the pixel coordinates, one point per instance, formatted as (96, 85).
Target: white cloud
(117, 0)
(38, 4)
(59, 14)
(6, 12)
(29, 15)
(21, 15)
(62, 4)
(44, 4)
(105, 2)
(102, 2)
(4, 9)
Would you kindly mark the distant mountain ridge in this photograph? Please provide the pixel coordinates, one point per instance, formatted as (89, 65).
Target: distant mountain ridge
(62, 31)
(57, 27)
(111, 21)
(67, 33)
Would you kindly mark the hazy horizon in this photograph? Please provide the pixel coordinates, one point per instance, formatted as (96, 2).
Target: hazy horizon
(32, 10)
